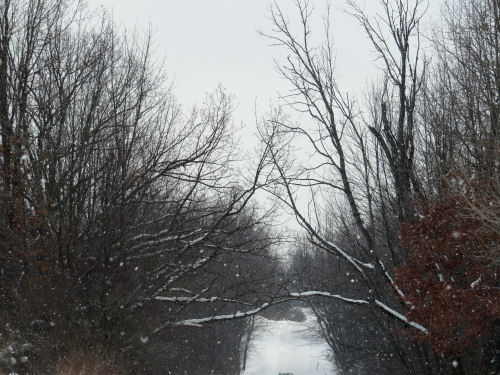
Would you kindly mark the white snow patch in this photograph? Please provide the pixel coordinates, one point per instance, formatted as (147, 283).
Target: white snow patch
(286, 346)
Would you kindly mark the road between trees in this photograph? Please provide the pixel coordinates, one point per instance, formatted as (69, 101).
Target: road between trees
(289, 347)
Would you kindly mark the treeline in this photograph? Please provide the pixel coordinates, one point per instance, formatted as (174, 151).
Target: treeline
(127, 223)
(122, 218)
(400, 254)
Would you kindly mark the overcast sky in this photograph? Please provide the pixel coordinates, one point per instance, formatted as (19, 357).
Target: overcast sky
(206, 43)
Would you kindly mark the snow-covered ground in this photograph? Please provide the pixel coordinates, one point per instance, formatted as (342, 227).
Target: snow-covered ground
(289, 347)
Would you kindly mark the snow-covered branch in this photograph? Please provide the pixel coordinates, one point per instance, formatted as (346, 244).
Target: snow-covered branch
(399, 316)
(393, 313)
(184, 299)
(329, 295)
(200, 321)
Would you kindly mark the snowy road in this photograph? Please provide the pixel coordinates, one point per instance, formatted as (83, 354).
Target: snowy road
(289, 347)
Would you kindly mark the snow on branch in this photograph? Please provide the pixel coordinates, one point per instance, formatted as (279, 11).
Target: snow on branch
(326, 294)
(386, 273)
(349, 258)
(399, 316)
(379, 304)
(200, 321)
(237, 315)
(184, 299)
(160, 241)
(332, 248)
(179, 272)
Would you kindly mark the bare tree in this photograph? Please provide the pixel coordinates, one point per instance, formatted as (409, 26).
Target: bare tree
(119, 209)
(337, 139)
(465, 86)
(360, 177)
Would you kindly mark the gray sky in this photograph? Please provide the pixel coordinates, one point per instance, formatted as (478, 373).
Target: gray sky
(206, 43)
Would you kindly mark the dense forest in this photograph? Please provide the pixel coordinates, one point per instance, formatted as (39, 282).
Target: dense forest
(134, 240)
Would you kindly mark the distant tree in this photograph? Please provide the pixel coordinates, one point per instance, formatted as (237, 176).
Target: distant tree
(460, 110)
